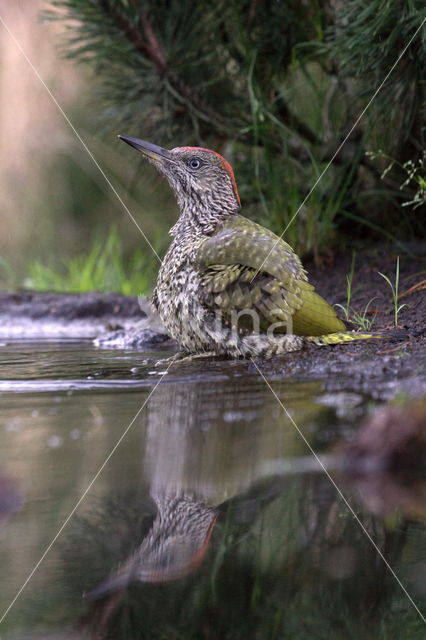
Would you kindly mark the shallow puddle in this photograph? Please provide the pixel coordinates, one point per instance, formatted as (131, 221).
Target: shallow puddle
(201, 511)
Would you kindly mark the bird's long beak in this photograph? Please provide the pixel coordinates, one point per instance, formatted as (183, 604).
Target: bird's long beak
(150, 150)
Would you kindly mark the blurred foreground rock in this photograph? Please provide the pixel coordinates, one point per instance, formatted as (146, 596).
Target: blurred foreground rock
(385, 463)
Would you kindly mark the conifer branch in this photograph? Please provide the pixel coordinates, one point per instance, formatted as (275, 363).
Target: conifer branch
(146, 42)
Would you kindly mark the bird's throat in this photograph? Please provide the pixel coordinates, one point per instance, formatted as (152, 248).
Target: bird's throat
(200, 217)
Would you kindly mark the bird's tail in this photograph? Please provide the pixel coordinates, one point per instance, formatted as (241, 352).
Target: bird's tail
(350, 336)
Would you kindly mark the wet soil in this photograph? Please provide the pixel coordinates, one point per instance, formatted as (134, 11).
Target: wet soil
(373, 366)
(372, 361)
(369, 288)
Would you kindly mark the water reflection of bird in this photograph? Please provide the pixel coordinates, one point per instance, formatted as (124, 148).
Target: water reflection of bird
(174, 546)
(285, 530)
(201, 450)
(227, 285)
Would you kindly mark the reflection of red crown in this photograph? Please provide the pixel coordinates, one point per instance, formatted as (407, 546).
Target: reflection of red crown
(173, 548)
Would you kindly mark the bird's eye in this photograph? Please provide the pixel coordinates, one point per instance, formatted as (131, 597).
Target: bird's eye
(195, 163)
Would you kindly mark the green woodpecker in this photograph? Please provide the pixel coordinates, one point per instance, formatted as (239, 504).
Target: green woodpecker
(228, 285)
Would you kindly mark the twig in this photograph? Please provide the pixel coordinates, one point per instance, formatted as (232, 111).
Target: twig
(146, 42)
(383, 353)
(416, 287)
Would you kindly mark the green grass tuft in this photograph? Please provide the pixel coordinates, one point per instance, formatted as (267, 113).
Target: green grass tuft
(358, 318)
(104, 268)
(394, 287)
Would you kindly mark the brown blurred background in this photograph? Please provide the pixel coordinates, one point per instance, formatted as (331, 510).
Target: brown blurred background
(53, 199)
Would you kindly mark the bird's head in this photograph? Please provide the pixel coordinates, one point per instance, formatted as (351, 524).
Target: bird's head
(202, 180)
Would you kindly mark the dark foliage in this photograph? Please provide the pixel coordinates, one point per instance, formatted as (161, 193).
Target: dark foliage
(276, 86)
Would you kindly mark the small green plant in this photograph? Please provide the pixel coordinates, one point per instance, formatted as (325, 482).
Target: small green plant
(416, 173)
(360, 319)
(103, 269)
(394, 288)
(350, 314)
(347, 310)
(415, 180)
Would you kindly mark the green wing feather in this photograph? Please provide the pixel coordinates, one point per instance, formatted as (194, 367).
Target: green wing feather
(244, 266)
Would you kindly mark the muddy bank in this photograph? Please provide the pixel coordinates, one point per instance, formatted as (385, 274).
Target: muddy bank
(370, 289)
(68, 316)
(377, 367)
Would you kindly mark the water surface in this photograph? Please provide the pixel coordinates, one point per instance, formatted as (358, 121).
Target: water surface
(211, 518)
